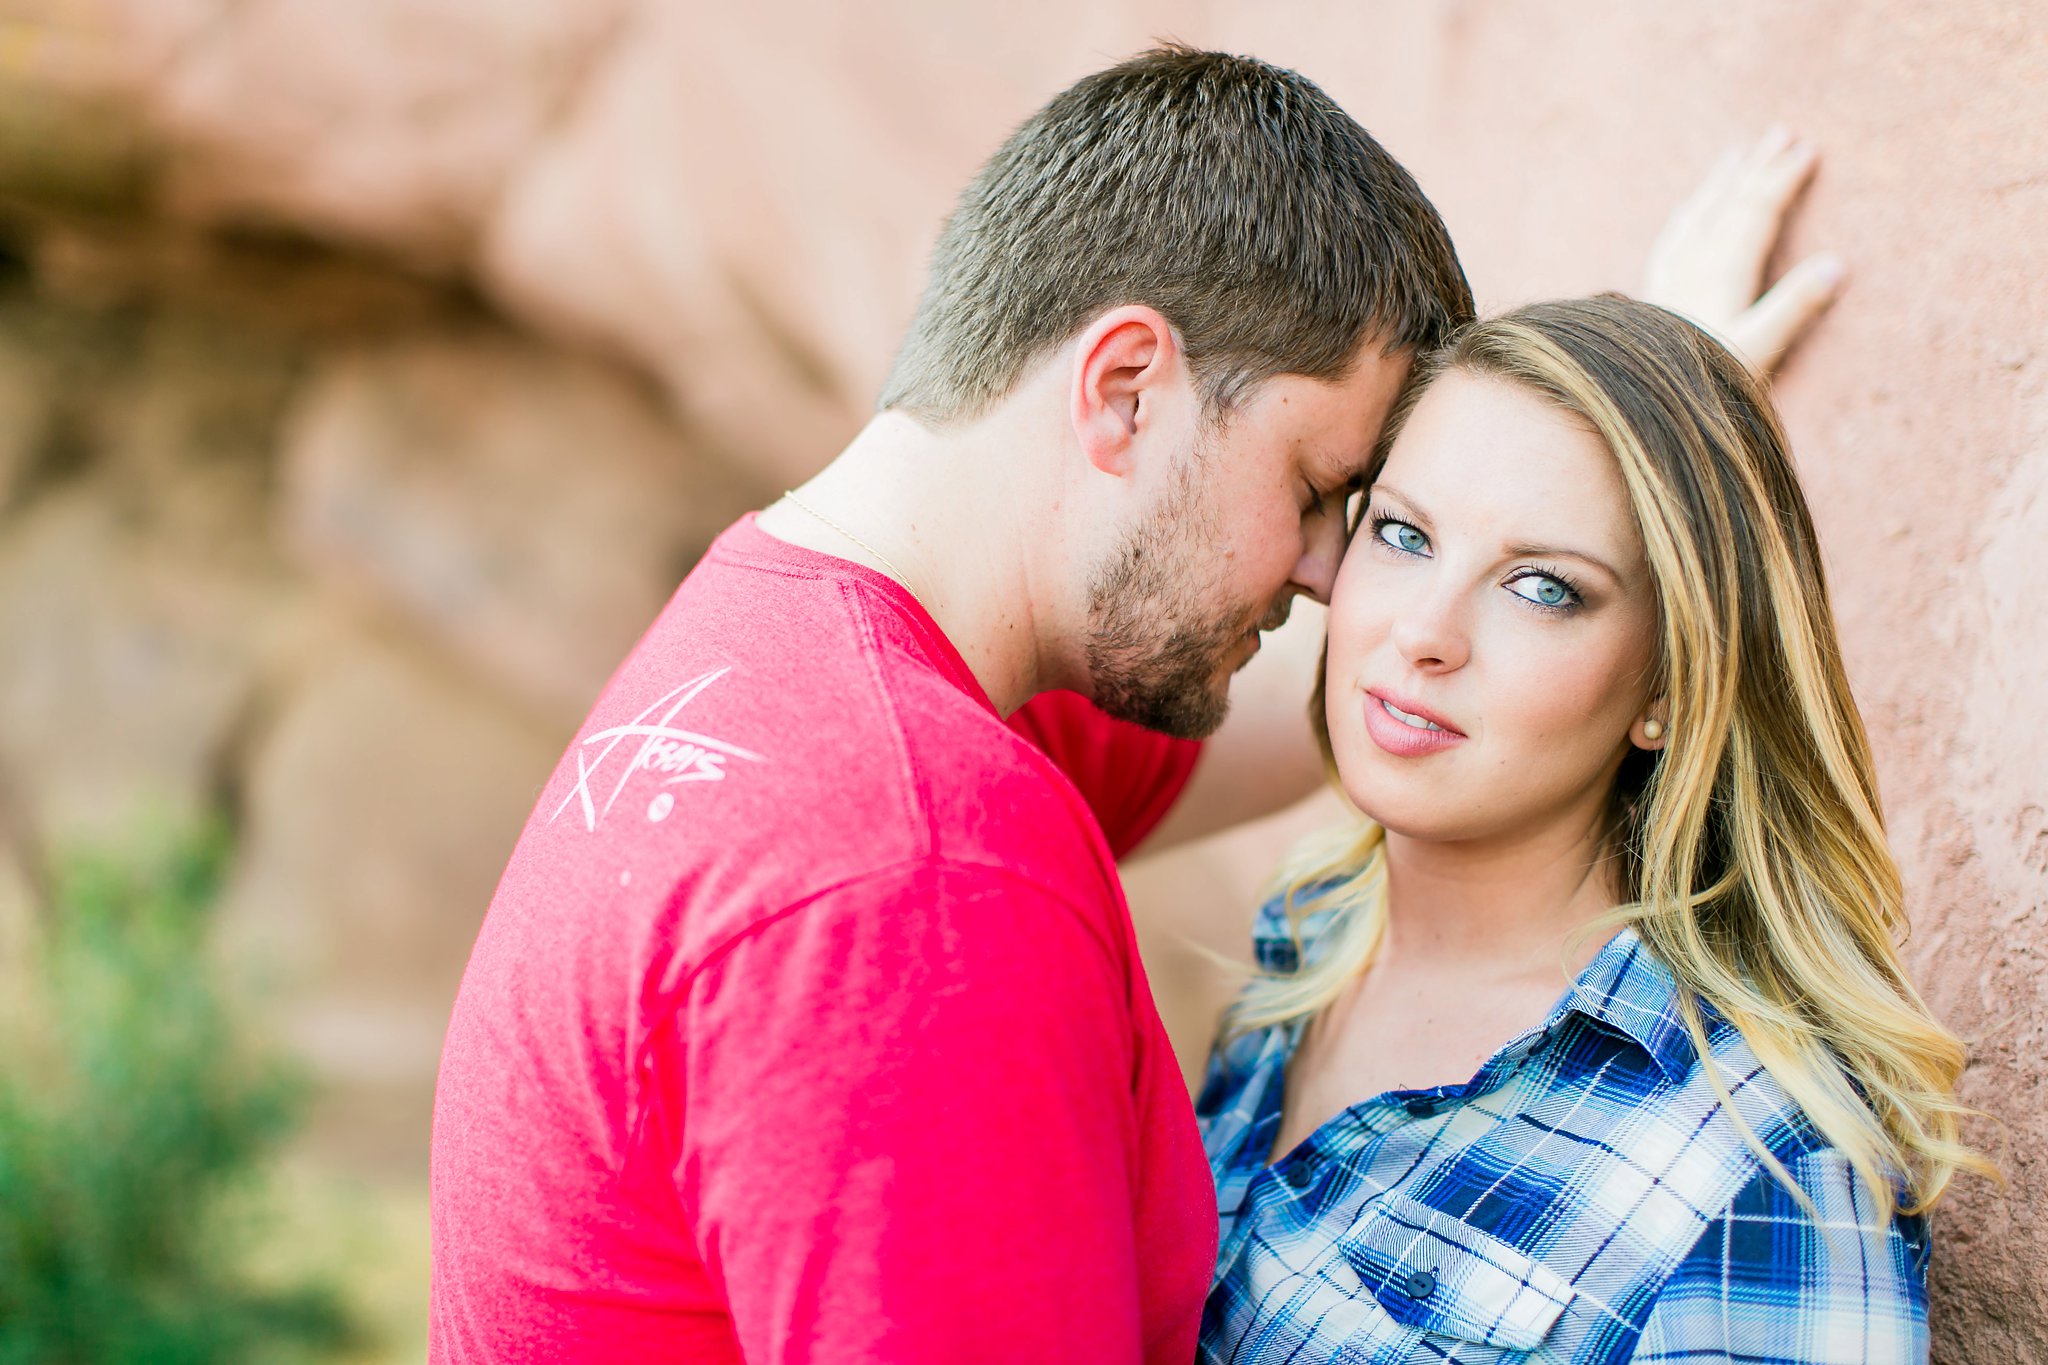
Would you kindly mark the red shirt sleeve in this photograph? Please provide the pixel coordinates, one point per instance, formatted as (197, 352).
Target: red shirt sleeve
(1129, 776)
(908, 1132)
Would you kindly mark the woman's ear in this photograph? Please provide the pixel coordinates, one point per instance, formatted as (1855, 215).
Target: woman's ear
(1122, 361)
(1652, 729)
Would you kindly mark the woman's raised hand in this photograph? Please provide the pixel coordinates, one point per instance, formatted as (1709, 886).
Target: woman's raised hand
(1708, 263)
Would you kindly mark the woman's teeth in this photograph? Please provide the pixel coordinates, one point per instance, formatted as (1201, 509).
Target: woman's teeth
(1412, 722)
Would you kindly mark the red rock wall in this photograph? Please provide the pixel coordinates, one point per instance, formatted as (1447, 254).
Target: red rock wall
(735, 203)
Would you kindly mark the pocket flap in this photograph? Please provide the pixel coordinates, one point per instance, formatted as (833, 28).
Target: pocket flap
(1436, 1274)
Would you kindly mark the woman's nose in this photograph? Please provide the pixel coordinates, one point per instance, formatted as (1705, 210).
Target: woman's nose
(1430, 633)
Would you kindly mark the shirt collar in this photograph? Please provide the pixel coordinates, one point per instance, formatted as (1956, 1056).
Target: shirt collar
(1627, 989)
(1273, 943)
(1624, 987)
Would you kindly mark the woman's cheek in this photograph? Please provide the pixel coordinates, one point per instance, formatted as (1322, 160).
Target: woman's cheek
(1574, 703)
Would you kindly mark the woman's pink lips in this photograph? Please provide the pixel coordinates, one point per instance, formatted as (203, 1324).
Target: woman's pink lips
(1403, 740)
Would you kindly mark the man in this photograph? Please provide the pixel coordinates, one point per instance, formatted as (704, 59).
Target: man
(807, 1022)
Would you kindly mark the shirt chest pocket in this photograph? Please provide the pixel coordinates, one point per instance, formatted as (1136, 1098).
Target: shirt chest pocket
(1435, 1275)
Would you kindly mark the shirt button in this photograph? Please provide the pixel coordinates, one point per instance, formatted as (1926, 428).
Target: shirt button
(1421, 1106)
(1420, 1285)
(1298, 1175)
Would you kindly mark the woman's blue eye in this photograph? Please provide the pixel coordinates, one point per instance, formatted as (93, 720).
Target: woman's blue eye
(1402, 536)
(1543, 590)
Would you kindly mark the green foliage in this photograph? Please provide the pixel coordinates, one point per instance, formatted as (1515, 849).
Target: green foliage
(134, 1121)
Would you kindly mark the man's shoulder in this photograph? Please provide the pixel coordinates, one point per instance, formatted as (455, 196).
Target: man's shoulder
(773, 735)
(874, 704)
(882, 730)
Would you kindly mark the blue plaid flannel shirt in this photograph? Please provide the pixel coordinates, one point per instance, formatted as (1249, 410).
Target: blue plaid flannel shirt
(1585, 1197)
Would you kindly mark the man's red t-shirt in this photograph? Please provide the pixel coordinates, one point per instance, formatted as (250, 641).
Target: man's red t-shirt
(807, 1023)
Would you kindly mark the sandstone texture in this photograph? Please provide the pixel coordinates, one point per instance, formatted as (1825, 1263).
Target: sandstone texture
(369, 373)
(466, 481)
(381, 800)
(122, 640)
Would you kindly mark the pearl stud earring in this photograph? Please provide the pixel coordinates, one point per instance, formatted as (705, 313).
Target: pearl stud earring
(1653, 730)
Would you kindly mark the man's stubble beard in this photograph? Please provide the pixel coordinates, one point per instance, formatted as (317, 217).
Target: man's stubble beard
(1160, 627)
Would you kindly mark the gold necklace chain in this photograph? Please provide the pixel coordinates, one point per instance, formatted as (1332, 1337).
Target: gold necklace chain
(895, 572)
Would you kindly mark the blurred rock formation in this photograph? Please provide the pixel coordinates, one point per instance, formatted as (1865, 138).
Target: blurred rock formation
(292, 529)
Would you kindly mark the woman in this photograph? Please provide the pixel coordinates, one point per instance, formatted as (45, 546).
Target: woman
(1584, 684)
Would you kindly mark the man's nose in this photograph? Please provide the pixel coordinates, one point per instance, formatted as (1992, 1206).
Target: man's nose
(1316, 571)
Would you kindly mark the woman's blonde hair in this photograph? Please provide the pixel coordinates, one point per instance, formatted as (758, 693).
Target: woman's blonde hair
(1751, 851)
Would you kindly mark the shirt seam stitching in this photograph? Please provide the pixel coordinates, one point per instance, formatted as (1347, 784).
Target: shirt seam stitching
(918, 811)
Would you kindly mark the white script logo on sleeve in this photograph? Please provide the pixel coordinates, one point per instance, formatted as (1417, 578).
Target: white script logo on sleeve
(679, 755)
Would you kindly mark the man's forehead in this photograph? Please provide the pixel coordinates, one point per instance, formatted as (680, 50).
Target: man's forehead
(1350, 412)
(1377, 384)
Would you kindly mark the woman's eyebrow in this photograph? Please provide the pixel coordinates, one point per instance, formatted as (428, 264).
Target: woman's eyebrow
(1380, 487)
(1533, 551)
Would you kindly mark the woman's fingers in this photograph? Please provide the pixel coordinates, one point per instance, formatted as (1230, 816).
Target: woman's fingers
(1757, 208)
(1708, 262)
(1767, 329)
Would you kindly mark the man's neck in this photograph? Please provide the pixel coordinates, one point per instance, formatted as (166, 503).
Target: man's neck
(952, 515)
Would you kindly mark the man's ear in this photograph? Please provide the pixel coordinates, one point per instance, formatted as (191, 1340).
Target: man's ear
(1123, 362)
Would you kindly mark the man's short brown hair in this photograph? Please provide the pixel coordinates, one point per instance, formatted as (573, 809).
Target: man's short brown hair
(1235, 197)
